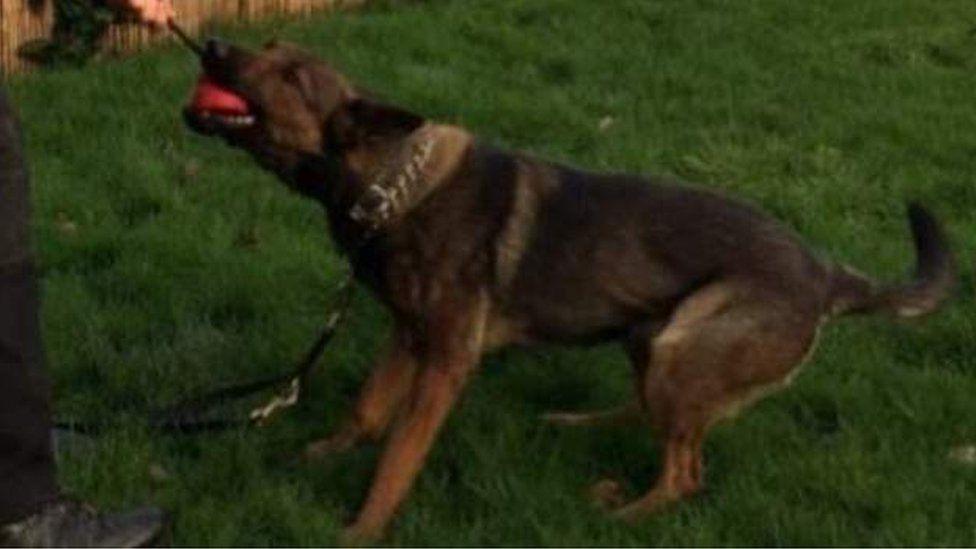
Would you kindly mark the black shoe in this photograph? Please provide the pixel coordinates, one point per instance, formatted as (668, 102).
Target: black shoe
(67, 523)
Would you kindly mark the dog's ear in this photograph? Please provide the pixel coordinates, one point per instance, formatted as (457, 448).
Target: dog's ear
(362, 121)
(319, 88)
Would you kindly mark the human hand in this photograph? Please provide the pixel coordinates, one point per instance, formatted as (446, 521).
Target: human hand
(152, 12)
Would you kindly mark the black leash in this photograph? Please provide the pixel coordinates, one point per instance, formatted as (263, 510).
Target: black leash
(185, 38)
(190, 415)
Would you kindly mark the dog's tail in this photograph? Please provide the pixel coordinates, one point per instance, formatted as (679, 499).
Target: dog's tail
(934, 280)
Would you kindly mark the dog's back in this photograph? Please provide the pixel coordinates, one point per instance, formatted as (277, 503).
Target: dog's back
(578, 256)
(582, 256)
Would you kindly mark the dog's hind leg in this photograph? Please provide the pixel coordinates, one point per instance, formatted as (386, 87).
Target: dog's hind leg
(377, 403)
(723, 350)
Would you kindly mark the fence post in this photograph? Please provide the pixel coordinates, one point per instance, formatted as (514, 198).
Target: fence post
(22, 21)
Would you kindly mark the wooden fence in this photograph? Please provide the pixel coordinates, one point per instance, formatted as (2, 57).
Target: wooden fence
(24, 20)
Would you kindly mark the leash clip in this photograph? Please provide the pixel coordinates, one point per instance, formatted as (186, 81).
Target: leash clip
(262, 415)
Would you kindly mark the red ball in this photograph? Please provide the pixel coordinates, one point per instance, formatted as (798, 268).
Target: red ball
(210, 96)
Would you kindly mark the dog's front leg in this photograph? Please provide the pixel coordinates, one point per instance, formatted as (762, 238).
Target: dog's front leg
(446, 361)
(378, 400)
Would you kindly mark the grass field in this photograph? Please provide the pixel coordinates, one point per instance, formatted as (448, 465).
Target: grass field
(171, 263)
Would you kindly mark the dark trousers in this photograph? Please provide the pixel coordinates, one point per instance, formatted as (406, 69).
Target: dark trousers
(27, 476)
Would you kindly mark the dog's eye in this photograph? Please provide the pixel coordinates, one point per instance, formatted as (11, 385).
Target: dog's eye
(292, 76)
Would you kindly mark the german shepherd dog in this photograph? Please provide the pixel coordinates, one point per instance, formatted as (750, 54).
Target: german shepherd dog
(472, 248)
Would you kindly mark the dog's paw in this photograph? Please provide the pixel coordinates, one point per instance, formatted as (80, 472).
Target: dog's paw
(356, 536)
(656, 501)
(607, 494)
(325, 448)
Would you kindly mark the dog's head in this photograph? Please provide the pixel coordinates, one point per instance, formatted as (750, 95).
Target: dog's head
(283, 105)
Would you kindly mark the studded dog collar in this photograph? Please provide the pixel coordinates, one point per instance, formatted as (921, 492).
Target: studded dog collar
(396, 187)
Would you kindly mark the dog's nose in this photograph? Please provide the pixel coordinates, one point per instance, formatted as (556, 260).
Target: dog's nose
(215, 49)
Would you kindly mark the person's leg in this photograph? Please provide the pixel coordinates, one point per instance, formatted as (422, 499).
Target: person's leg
(32, 512)
(27, 475)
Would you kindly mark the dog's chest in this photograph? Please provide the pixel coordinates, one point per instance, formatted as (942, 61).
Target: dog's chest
(444, 251)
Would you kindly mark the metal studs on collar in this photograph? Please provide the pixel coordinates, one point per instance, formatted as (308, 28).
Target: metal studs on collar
(393, 194)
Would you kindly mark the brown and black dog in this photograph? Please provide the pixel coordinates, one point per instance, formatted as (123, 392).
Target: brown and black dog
(473, 248)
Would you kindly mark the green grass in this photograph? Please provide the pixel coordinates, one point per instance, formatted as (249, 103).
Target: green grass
(172, 263)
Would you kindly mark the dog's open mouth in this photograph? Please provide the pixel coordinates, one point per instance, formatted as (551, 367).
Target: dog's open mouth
(215, 107)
